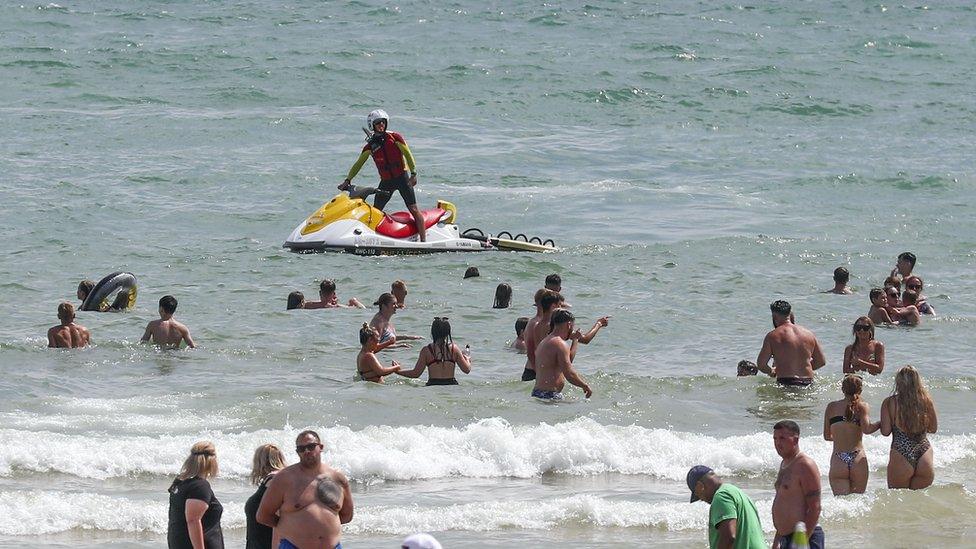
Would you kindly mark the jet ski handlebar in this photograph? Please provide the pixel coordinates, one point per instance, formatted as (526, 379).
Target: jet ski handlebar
(364, 192)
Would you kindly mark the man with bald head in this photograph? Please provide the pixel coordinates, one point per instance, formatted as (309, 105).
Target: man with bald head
(309, 501)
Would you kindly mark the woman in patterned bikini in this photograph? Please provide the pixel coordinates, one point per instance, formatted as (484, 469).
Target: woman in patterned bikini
(907, 415)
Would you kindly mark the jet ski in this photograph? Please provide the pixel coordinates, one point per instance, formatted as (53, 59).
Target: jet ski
(347, 223)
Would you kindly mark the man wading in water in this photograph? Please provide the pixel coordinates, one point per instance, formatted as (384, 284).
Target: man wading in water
(309, 501)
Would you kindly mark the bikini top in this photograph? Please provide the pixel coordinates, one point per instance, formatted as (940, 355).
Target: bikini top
(838, 419)
(368, 374)
(435, 360)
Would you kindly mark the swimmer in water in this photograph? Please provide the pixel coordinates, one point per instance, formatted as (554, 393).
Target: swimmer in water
(878, 313)
(367, 365)
(520, 324)
(166, 332)
(68, 334)
(795, 350)
(382, 322)
(841, 276)
(554, 365)
(440, 356)
(329, 300)
(865, 354)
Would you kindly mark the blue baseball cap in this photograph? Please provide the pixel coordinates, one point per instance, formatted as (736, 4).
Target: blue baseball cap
(694, 475)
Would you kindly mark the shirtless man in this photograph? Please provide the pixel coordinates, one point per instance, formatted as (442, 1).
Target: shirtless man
(329, 300)
(537, 328)
(841, 277)
(167, 332)
(795, 350)
(797, 489)
(553, 365)
(68, 335)
(905, 265)
(309, 501)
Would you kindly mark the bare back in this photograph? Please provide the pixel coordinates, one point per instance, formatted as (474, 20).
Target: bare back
(795, 351)
(167, 333)
(68, 336)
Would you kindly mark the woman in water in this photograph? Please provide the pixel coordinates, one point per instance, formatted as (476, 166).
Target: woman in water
(268, 460)
(382, 322)
(845, 421)
(865, 354)
(907, 415)
(367, 365)
(194, 512)
(503, 296)
(440, 356)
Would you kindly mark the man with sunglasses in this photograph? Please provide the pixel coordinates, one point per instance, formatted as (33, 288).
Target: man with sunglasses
(309, 501)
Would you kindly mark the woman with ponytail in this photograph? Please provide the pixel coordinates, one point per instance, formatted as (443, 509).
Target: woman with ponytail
(440, 357)
(367, 365)
(194, 512)
(907, 415)
(845, 421)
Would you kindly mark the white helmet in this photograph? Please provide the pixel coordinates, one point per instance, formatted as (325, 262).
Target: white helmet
(373, 117)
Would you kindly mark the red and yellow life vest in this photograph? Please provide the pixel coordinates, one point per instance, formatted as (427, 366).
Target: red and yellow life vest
(387, 156)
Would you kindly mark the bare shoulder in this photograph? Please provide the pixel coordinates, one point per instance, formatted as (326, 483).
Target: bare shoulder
(808, 466)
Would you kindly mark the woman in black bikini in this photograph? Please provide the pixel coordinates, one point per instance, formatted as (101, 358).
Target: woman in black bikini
(367, 365)
(907, 416)
(845, 421)
(440, 356)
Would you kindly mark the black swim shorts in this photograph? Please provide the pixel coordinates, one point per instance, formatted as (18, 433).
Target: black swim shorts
(400, 184)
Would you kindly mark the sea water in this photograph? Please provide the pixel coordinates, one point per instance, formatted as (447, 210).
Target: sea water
(693, 161)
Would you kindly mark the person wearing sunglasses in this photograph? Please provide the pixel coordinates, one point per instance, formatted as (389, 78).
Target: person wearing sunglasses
(915, 284)
(308, 502)
(389, 151)
(878, 313)
(440, 357)
(864, 354)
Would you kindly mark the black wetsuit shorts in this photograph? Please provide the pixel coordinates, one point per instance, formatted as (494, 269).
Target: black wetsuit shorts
(401, 184)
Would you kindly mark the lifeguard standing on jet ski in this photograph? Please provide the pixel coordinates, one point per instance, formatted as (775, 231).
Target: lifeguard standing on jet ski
(389, 150)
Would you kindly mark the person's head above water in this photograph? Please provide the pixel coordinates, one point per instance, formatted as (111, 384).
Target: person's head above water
(520, 325)
(366, 332)
(906, 262)
(84, 288)
(385, 299)
(554, 282)
(296, 300)
(471, 272)
(841, 275)
(549, 299)
(167, 304)
(327, 288)
(781, 309)
(440, 329)
(503, 296)
(66, 312)
(399, 291)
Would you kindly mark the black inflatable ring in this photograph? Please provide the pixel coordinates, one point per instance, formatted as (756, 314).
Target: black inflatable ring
(122, 282)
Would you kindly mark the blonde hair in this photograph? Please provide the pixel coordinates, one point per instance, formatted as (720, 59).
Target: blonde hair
(851, 386)
(913, 400)
(202, 462)
(268, 458)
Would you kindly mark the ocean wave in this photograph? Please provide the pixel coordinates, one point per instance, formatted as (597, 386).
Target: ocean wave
(489, 448)
(64, 511)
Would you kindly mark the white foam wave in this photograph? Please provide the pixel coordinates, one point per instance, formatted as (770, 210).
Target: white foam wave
(36, 512)
(490, 448)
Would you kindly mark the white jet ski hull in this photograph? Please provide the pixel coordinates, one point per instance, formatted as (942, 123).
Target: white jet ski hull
(353, 236)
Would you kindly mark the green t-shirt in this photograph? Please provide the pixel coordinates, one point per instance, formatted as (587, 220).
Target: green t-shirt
(730, 503)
